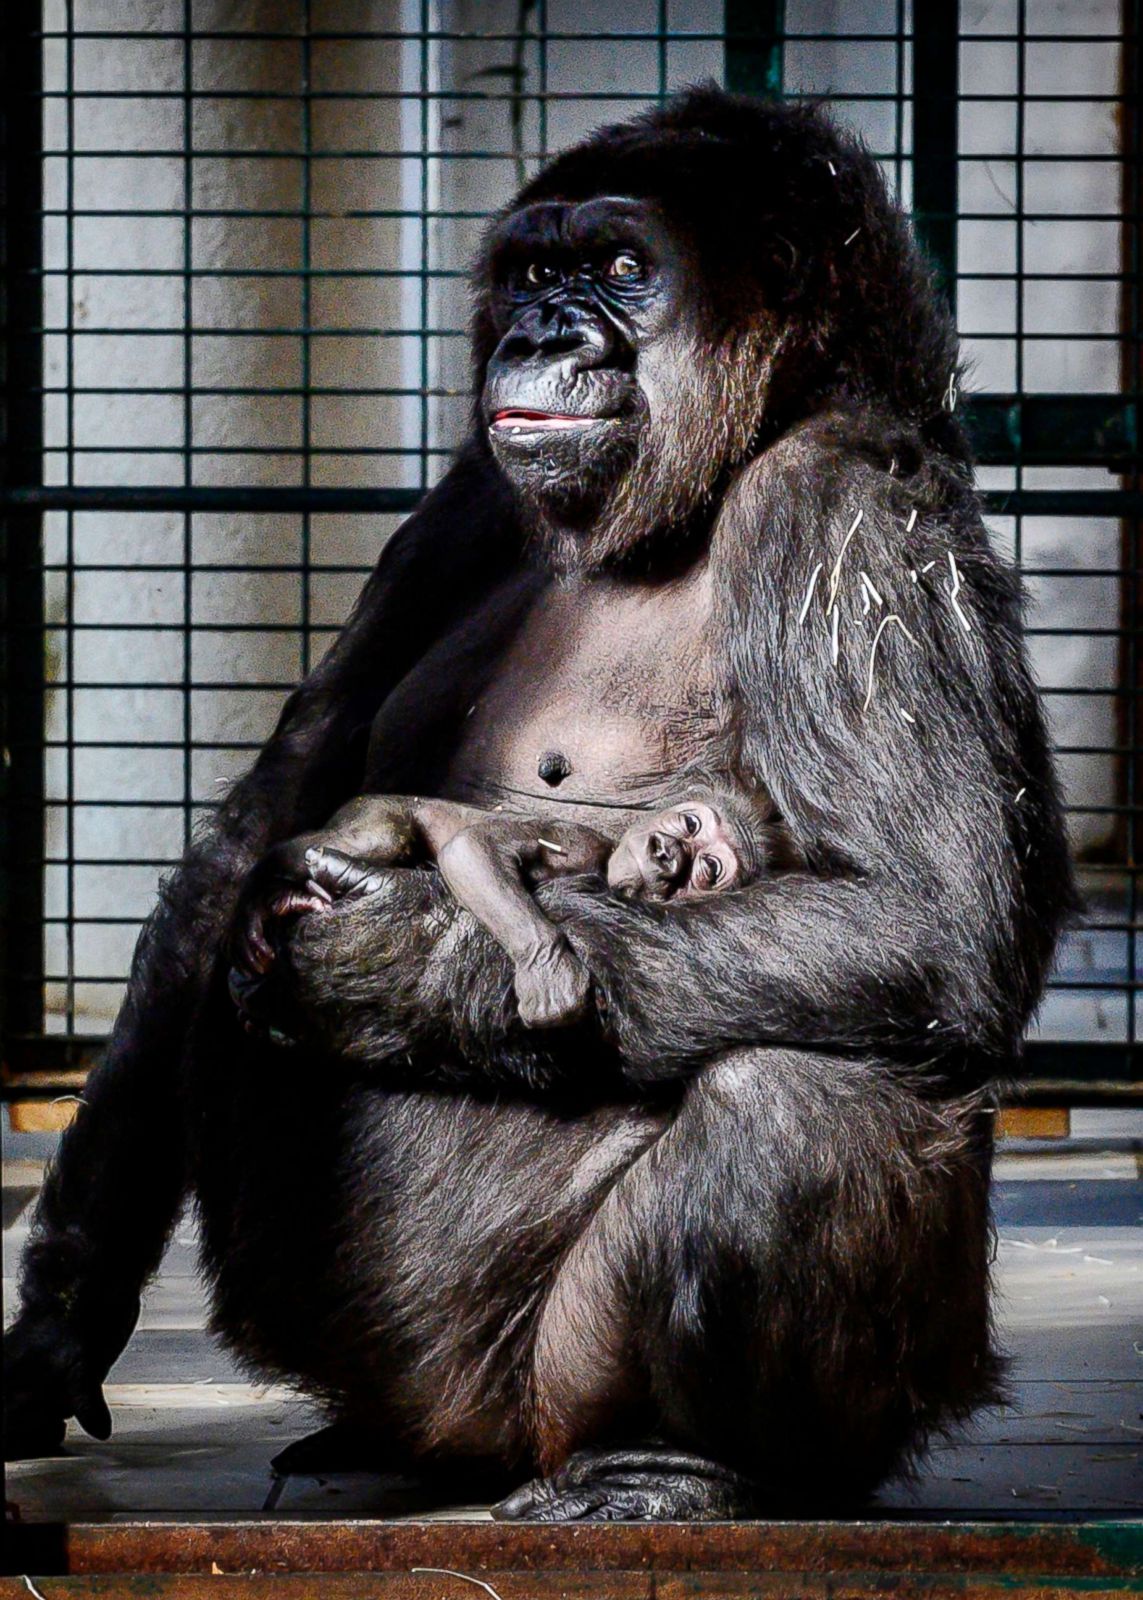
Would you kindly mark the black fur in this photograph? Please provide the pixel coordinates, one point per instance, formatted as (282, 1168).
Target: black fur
(738, 1224)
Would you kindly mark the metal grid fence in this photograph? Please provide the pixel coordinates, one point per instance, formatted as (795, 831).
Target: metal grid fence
(236, 235)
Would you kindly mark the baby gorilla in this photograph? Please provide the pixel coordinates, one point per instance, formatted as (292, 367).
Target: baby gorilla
(703, 845)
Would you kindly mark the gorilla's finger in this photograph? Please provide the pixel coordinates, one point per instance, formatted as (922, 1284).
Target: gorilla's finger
(253, 952)
(339, 876)
(92, 1414)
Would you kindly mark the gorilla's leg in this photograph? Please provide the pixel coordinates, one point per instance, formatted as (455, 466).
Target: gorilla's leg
(774, 1304)
(107, 1205)
(388, 1250)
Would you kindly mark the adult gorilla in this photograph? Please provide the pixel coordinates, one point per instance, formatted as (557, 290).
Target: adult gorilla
(726, 1247)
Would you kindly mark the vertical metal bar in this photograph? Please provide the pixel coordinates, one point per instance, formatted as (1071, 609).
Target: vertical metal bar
(936, 39)
(662, 40)
(899, 104)
(424, 328)
(542, 31)
(21, 534)
(68, 683)
(1131, 545)
(188, 417)
(307, 206)
(1021, 91)
(754, 30)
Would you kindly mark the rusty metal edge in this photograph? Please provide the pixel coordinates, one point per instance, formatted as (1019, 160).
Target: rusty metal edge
(452, 1584)
(1082, 1548)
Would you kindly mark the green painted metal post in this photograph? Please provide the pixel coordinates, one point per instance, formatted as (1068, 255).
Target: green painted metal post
(754, 34)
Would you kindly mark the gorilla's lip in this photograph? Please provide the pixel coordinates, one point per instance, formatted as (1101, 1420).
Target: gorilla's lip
(516, 418)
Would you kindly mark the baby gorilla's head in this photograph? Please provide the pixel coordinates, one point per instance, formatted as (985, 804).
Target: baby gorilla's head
(703, 845)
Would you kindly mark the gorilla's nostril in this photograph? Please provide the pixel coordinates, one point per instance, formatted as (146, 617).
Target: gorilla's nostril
(665, 853)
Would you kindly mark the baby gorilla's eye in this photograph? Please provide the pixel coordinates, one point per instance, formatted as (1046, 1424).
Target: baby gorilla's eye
(690, 822)
(539, 274)
(713, 870)
(625, 265)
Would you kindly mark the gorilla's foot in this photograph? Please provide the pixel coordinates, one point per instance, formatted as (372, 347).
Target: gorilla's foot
(340, 1447)
(638, 1485)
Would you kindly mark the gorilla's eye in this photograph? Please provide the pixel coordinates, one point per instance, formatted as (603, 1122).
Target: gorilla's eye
(691, 823)
(539, 274)
(713, 870)
(626, 265)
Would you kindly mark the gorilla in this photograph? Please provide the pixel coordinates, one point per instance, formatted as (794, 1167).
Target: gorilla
(721, 1246)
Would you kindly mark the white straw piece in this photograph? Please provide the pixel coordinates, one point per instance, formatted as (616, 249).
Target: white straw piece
(835, 574)
(853, 236)
(954, 591)
(450, 1572)
(870, 590)
(1020, 793)
(912, 522)
(833, 642)
(951, 393)
(556, 849)
(928, 567)
(905, 717)
(885, 621)
(812, 585)
(832, 169)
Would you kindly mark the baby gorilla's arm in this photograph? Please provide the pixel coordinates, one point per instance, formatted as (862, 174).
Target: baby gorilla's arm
(488, 866)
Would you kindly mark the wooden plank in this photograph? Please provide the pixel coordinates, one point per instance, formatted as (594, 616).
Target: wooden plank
(1087, 1549)
(41, 1116)
(1033, 1122)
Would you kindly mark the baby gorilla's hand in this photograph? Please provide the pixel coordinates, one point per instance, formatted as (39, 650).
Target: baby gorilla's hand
(552, 986)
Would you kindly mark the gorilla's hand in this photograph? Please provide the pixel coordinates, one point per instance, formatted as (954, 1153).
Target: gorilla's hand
(49, 1375)
(278, 888)
(396, 973)
(401, 971)
(294, 879)
(552, 986)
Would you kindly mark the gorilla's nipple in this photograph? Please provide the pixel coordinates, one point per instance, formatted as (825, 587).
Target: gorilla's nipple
(553, 767)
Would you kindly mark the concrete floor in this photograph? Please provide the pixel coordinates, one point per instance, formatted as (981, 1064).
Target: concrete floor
(194, 1438)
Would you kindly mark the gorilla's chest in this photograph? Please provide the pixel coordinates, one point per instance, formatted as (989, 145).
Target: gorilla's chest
(602, 696)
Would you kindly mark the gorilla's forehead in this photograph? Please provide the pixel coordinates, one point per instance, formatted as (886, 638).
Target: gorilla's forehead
(604, 218)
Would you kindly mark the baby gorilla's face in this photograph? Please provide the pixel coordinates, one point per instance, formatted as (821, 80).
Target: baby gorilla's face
(689, 850)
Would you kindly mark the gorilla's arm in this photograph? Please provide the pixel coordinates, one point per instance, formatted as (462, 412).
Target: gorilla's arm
(912, 771)
(109, 1200)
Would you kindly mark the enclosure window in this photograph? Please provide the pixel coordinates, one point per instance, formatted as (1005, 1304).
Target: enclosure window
(237, 239)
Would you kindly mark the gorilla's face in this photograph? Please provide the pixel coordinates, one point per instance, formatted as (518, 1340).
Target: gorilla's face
(594, 395)
(586, 307)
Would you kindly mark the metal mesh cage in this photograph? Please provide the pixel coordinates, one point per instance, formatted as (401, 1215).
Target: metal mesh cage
(236, 238)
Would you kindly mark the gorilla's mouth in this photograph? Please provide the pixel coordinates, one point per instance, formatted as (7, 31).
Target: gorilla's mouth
(632, 875)
(517, 420)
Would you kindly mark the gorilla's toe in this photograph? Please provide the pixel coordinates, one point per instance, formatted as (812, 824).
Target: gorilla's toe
(632, 1486)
